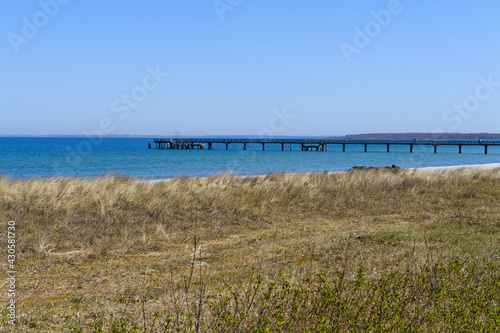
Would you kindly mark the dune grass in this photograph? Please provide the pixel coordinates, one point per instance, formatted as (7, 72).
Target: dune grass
(377, 250)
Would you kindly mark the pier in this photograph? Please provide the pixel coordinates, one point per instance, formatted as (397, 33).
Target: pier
(307, 144)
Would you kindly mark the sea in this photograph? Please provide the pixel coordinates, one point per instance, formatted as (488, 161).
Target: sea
(26, 157)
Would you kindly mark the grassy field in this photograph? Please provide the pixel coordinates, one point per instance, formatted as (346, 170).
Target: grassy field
(377, 250)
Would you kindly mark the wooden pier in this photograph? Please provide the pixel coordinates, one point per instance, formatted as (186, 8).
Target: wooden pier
(307, 144)
(178, 144)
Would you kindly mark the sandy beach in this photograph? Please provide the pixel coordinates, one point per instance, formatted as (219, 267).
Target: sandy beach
(488, 166)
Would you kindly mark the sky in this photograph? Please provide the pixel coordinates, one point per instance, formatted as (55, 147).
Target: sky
(241, 67)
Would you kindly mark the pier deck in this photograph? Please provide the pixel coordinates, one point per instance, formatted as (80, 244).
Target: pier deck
(315, 144)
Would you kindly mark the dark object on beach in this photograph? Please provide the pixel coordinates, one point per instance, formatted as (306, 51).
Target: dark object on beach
(363, 168)
(393, 167)
(358, 167)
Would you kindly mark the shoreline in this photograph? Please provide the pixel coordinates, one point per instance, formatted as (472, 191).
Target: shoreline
(469, 167)
(488, 166)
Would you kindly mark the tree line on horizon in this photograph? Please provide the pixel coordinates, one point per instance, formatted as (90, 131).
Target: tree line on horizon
(436, 136)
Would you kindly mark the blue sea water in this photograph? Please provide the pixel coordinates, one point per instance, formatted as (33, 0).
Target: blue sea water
(47, 157)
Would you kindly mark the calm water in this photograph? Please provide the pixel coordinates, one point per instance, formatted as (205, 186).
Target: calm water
(46, 157)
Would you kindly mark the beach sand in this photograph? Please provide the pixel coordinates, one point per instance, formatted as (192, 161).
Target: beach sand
(488, 166)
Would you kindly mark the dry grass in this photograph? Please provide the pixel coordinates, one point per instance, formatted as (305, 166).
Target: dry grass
(102, 250)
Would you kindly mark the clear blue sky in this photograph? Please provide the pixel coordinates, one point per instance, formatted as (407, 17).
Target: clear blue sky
(232, 68)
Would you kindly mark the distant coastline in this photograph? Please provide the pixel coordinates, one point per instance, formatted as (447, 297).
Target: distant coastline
(416, 135)
(406, 135)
